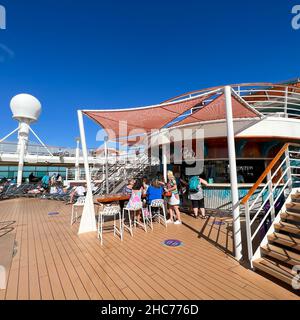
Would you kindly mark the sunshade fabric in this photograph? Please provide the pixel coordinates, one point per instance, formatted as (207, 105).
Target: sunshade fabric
(143, 119)
(216, 110)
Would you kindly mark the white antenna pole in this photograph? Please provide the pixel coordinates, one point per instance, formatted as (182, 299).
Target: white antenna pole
(23, 143)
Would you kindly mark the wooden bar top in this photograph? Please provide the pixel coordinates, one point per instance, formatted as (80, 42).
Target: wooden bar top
(108, 198)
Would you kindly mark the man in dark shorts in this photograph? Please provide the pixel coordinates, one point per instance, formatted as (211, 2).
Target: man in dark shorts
(197, 198)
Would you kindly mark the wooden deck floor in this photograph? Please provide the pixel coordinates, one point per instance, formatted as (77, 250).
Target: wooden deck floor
(53, 262)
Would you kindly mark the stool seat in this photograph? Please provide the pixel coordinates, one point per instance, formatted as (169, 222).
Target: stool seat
(110, 211)
(160, 216)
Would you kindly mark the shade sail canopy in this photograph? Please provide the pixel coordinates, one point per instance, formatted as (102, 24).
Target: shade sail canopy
(141, 120)
(216, 110)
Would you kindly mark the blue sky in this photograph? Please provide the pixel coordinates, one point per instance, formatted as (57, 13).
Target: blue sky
(114, 54)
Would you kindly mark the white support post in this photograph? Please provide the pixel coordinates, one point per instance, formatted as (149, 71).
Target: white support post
(165, 162)
(77, 168)
(88, 219)
(106, 165)
(233, 176)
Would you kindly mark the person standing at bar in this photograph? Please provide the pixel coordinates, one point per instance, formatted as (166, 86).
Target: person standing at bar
(196, 195)
(174, 200)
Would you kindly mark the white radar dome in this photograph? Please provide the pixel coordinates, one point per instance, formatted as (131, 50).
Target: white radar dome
(25, 106)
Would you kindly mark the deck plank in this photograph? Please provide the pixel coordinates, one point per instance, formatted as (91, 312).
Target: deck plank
(53, 262)
(13, 276)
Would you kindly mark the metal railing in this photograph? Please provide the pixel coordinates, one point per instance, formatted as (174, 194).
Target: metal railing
(118, 172)
(11, 148)
(267, 98)
(281, 175)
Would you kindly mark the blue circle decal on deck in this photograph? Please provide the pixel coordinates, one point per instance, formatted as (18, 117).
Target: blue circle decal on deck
(173, 243)
(53, 213)
(219, 223)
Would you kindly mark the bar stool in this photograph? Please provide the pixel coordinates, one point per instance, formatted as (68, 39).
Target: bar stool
(148, 218)
(110, 211)
(158, 204)
(78, 204)
(138, 208)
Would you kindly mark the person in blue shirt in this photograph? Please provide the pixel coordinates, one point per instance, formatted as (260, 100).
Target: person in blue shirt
(45, 182)
(154, 192)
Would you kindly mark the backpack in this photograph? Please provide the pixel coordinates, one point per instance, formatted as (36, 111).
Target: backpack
(45, 182)
(194, 184)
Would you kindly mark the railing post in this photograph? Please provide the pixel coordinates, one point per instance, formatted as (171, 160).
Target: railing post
(286, 102)
(289, 171)
(248, 233)
(271, 200)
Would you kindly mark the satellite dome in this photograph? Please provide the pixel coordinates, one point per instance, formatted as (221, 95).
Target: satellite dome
(25, 106)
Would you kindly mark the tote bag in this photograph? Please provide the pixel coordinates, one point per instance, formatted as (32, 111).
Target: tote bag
(173, 201)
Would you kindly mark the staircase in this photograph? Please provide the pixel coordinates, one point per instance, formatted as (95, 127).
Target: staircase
(276, 253)
(282, 252)
(119, 173)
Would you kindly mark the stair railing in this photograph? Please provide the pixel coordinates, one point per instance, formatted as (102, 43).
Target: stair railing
(271, 192)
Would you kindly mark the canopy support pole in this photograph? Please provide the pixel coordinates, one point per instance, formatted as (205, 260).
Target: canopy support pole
(165, 162)
(106, 164)
(77, 167)
(88, 219)
(233, 175)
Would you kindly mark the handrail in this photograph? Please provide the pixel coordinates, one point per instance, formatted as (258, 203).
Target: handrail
(275, 190)
(265, 173)
(259, 85)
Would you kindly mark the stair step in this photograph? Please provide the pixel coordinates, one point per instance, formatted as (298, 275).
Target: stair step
(281, 254)
(275, 270)
(292, 216)
(287, 227)
(286, 240)
(293, 206)
(296, 198)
